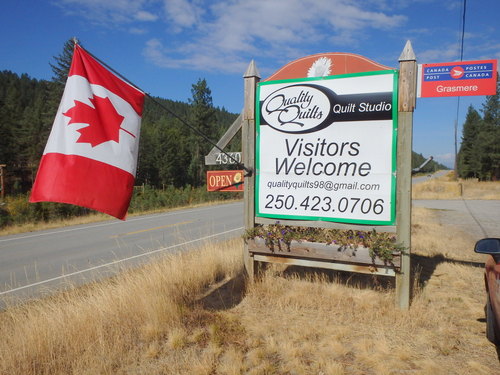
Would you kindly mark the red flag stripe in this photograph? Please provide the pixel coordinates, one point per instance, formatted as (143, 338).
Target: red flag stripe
(72, 179)
(85, 65)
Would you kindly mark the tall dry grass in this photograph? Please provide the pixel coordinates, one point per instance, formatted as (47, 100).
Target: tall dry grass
(108, 327)
(166, 319)
(446, 187)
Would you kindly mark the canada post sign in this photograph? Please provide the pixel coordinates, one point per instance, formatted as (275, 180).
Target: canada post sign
(326, 148)
(465, 78)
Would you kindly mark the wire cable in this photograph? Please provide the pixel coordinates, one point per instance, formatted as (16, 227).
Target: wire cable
(462, 37)
(184, 122)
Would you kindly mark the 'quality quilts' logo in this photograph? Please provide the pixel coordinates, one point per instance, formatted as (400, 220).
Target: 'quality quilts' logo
(308, 108)
(296, 109)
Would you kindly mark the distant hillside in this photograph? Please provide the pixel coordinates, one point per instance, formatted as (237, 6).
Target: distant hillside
(418, 159)
(168, 154)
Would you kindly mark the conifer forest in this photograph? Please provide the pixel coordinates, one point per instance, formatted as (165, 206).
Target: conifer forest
(171, 154)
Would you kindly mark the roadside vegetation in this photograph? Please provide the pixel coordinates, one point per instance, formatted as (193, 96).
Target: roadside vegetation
(18, 215)
(192, 313)
(447, 187)
(170, 167)
(479, 154)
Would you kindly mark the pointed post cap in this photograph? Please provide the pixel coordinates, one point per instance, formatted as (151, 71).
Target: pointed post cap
(252, 71)
(408, 54)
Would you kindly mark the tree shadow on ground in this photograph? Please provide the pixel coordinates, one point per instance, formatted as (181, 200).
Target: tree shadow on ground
(425, 266)
(230, 292)
(224, 295)
(422, 268)
(360, 280)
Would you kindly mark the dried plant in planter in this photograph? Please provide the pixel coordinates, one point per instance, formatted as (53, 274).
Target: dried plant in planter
(279, 237)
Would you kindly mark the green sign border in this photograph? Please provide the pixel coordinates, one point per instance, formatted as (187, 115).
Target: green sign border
(392, 220)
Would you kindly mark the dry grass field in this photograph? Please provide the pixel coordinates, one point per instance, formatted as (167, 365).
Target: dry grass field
(193, 314)
(446, 187)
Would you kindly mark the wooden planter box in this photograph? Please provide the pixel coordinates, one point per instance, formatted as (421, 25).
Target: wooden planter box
(322, 252)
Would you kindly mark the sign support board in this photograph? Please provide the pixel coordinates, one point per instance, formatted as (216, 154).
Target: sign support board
(216, 157)
(308, 154)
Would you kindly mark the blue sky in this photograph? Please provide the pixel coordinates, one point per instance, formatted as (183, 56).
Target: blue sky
(165, 46)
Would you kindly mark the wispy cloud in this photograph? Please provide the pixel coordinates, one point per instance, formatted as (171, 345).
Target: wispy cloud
(183, 14)
(210, 34)
(142, 15)
(108, 13)
(239, 30)
(451, 53)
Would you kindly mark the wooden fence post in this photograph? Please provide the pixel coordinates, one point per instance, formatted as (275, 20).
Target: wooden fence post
(2, 182)
(251, 78)
(406, 105)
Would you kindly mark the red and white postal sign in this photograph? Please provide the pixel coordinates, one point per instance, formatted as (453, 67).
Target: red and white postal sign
(463, 78)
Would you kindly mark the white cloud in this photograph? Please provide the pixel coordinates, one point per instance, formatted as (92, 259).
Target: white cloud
(451, 53)
(202, 60)
(182, 13)
(137, 31)
(225, 32)
(142, 15)
(108, 13)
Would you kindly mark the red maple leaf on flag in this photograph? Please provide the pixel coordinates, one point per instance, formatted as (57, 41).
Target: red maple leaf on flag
(104, 122)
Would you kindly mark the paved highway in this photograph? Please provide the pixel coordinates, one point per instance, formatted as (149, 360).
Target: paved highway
(418, 179)
(32, 263)
(35, 262)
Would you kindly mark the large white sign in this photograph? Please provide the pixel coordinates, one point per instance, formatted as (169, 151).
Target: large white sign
(326, 148)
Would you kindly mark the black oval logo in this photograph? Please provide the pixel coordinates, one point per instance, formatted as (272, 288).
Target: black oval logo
(297, 109)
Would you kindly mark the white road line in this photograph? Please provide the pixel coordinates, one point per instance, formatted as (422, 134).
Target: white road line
(105, 224)
(118, 261)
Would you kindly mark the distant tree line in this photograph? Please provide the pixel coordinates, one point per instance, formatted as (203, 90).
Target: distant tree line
(479, 154)
(170, 153)
(432, 166)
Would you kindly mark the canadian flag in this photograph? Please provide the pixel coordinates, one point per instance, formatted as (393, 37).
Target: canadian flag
(90, 158)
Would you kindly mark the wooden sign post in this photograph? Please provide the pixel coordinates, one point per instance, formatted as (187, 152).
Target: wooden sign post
(406, 106)
(287, 194)
(251, 78)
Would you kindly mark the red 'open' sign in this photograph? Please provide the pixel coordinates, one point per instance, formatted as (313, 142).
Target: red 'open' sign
(225, 180)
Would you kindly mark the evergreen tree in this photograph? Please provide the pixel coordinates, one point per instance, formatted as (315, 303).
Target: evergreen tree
(203, 119)
(469, 154)
(170, 153)
(489, 138)
(479, 154)
(62, 63)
